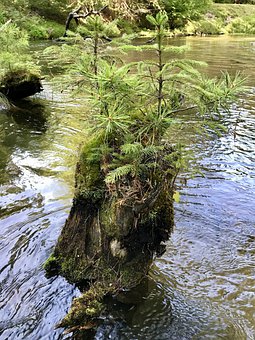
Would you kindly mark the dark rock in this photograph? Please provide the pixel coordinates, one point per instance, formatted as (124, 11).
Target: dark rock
(20, 84)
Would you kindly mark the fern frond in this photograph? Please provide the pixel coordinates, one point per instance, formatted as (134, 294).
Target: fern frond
(131, 149)
(114, 175)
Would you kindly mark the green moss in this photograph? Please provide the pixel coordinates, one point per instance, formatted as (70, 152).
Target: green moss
(51, 266)
(89, 179)
(20, 83)
(74, 269)
(133, 272)
(108, 219)
(89, 306)
(86, 307)
(18, 76)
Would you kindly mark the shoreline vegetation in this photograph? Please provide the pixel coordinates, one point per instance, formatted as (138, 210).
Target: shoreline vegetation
(43, 22)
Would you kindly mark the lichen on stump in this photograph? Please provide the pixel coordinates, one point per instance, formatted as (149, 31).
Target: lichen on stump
(109, 240)
(18, 84)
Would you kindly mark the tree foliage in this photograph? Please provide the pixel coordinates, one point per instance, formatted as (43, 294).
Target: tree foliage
(133, 105)
(28, 17)
(124, 182)
(179, 12)
(14, 52)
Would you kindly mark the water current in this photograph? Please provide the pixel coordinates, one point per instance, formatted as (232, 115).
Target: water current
(203, 287)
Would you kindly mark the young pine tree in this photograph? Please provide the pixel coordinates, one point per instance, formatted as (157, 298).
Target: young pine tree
(123, 206)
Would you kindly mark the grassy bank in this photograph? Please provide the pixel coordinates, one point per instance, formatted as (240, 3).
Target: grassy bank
(218, 19)
(224, 19)
(232, 10)
(37, 26)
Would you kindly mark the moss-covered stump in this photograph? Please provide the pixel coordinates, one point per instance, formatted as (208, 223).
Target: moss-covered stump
(110, 237)
(20, 84)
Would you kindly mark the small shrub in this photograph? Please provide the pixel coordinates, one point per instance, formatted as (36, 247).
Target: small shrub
(242, 25)
(208, 27)
(54, 29)
(126, 26)
(35, 28)
(112, 29)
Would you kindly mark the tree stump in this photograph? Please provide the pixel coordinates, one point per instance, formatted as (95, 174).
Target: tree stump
(108, 241)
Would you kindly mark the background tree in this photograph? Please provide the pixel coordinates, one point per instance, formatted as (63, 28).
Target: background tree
(179, 12)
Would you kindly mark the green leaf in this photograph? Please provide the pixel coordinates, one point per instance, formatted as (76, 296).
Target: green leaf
(161, 18)
(176, 196)
(151, 20)
(116, 174)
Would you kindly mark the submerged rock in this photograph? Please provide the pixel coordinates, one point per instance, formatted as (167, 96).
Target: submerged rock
(20, 84)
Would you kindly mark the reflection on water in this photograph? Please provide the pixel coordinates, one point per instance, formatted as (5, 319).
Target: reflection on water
(34, 203)
(204, 285)
(212, 250)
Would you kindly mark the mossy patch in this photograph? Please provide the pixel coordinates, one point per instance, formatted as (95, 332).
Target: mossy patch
(51, 266)
(85, 308)
(108, 219)
(89, 180)
(21, 83)
(74, 269)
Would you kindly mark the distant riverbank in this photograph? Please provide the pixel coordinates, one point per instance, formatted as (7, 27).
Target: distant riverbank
(227, 18)
(49, 23)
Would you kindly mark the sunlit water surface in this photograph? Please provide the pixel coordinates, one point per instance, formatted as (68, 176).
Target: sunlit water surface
(203, 287)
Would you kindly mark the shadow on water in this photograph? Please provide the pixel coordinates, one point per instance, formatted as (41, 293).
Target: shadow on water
(31, 113)
(129, 314)
(156, 310)
(23, 118)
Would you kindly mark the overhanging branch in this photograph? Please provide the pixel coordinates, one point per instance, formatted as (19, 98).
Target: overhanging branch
(76, 16)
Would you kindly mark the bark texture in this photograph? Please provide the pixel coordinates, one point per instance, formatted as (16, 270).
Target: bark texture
(108, 241)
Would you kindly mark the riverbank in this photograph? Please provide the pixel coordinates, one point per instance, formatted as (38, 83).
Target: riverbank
(41, 23)
(225, 19)
(37, 25)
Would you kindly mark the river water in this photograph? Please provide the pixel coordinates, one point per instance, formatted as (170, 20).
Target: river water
(203, 287)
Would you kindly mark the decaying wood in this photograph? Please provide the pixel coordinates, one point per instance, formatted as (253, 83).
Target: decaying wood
(76, 16)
